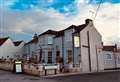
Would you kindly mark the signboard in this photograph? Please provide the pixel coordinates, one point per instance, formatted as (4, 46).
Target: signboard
(76, 41)
(50, 67)
(18, 66)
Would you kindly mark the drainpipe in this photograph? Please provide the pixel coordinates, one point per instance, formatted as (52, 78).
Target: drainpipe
(88, 40)
(97, 58)
(115, 59)
(73, 49)
(63, 49)
(115, 50)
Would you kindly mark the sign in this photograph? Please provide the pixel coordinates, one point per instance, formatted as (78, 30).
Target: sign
(50, 67)
(76, 41)
(18, 66)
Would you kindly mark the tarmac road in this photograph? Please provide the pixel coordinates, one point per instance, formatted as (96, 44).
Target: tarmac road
(95, 77)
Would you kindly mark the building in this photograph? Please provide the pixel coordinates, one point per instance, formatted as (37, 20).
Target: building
(82, 46)
(19, 48)
(111, 57)
(8, 48)
(78, 46)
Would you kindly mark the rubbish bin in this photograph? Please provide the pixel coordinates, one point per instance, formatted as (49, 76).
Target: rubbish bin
(18, 67)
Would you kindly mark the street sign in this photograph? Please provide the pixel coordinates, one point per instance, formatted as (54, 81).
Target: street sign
(51, 67)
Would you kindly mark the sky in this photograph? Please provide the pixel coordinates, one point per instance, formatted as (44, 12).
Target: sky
(21, 19)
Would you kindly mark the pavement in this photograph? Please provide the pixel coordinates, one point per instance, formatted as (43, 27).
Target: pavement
(108, 76)
(78, 73)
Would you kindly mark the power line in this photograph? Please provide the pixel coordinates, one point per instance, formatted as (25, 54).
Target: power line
(97, 9)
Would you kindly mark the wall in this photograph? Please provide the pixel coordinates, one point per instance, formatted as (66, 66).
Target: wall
(58, 46)
(20, 49)
(95, 43)
(68, 43)
(43, 43)
(118, 59)
(109, 60)
(7, 49)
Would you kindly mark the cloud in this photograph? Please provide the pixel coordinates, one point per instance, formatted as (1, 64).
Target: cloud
(37, 20)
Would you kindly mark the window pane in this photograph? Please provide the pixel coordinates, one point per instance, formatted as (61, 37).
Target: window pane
(108, 56)
(50, 40)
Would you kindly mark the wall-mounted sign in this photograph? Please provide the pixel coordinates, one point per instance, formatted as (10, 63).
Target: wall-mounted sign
(50, 67)
(76, 41)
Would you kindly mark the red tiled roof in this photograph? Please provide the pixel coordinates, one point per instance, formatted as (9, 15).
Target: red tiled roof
(2, 40)
(17, 43)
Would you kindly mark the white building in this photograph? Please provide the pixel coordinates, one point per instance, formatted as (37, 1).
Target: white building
(8, 49)
(111, 57)
(19, 48)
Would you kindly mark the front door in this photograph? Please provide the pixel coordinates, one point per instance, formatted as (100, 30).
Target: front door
(50, 57)
(57, 56)
(69, 53)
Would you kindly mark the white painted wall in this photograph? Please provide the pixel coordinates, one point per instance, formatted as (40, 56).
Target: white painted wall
(7, 49)
(109, 60)
(19, 50)
(95, 43)
(118, 59)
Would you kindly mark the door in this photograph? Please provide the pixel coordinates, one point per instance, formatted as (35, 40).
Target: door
(50, 57)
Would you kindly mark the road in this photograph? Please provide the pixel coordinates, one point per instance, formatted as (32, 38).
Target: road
(96, 77)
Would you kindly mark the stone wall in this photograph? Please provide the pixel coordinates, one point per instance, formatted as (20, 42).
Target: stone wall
(6, 66)
(31, 69)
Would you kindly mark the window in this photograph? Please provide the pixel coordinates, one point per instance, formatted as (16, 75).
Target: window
(50, 40)
(108, 56)
(49, 57)
(76, 41)
(57, 56)
(68, 36)
(69, 53)
(118, 59)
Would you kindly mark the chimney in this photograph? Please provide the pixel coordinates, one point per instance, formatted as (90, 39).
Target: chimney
(89, 21)
(35, 36)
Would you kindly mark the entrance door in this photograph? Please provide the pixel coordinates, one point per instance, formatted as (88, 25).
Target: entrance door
(69, 53)
(50, 57)
(57, 56)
